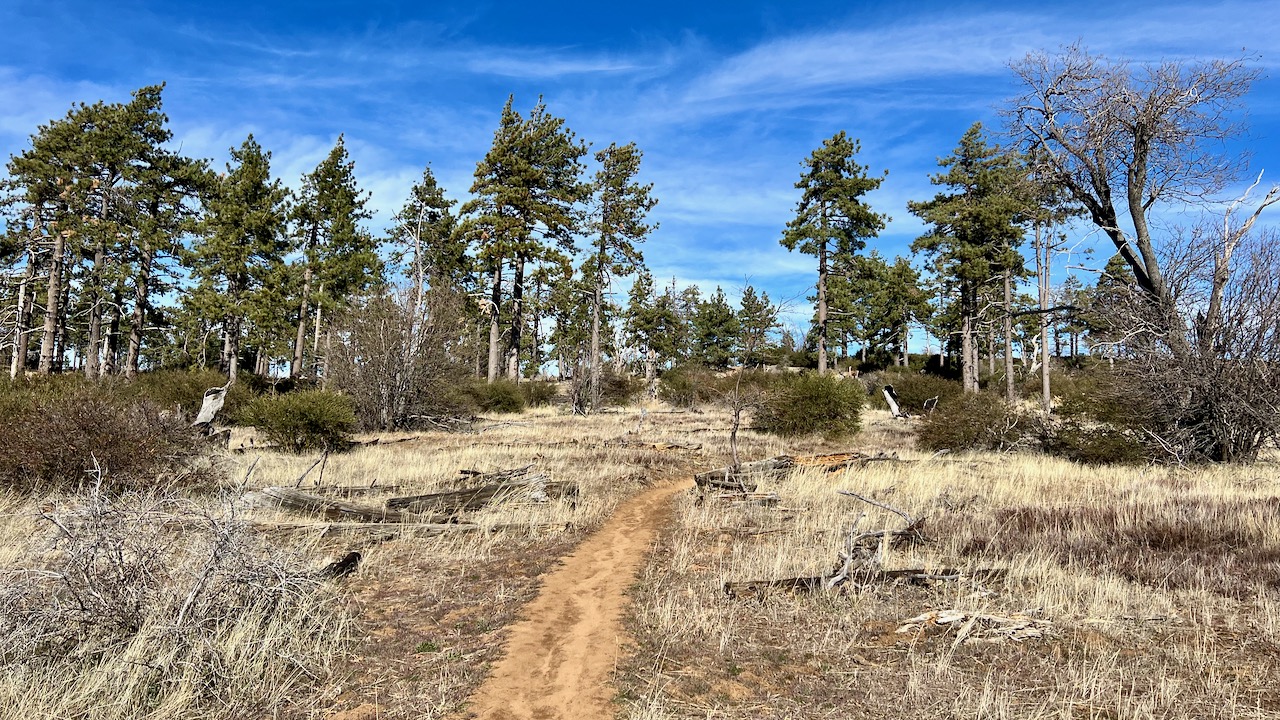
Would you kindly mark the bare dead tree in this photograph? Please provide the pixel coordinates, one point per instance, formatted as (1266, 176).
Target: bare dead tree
(1124, 139)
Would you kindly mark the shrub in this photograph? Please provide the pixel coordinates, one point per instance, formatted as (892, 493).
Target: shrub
(971, 421)
(307, 420)
(499, 396)
(185, 389)
(1090, 444)
(228, 625)
(538, 393)
(807, 404)
(66, 436)
(619, 390)
(913, 389)
(687, 386)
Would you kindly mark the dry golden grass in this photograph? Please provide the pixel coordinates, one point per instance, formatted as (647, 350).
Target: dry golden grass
(1161, 586)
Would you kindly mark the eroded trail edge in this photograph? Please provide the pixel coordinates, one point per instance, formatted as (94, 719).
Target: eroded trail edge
(563, 649)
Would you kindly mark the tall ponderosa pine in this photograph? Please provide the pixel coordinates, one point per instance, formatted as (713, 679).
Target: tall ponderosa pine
(338, 257)
(618, 222)
(111, 202)
(525, 210)
(240, 255)
(832, 222)
(975, 228)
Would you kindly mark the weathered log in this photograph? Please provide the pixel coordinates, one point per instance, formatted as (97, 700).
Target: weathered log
(914, 576)
(292, 499)
(747, 476)
(355, 490)
(739, 498)
(539, 488)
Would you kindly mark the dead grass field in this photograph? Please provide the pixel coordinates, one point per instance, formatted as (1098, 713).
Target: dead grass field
(1156, 591)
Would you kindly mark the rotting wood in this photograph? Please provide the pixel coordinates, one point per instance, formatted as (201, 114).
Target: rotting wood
(760, 499)
(213, 401)
(747, 476)
(355, 490)
(978, 626)
(447, 424)
(860, 561)
(291, 499)
(537, 488)
(662, 446)
(912, 576)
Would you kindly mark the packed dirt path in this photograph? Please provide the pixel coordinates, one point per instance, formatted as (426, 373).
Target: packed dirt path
(565, 645)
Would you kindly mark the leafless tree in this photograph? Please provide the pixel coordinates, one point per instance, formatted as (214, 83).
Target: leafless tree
(1125, 139)
(399, 355)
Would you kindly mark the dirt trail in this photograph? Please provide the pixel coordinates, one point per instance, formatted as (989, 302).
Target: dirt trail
(565, 645)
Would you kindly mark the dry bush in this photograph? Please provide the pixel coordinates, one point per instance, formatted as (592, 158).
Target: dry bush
(57, 435)
(154, 608)
(304, 420)
(972, 421)
(810, 404)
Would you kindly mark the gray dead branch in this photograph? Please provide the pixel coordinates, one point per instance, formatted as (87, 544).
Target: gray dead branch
(298, 501)
(660, 446)
(970, 625)
(214, 398)
(446, 423)
(746, 477)
(860, 562)
(516, 483)
(355, 490)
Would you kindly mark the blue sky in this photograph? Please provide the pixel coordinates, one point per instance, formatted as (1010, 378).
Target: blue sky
(725, 99)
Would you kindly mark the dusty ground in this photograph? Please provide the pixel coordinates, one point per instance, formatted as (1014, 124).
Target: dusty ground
(561, 654)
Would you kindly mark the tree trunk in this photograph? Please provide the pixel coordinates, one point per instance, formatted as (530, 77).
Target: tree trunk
(92, 359)
(517, 319)
(141, 300)
(299, 343)
(1042, 276)
(595, 347)
(111, 339)
(906, 339)
(822, 304)
(22, 317)
(968, 363)
(1010, 392)
(651, 372)
(52, 308)
(495, 330)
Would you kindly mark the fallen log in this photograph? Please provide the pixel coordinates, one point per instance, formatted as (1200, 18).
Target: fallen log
(291, 499)
(747, 475)
(860, 578)
(537, 488)
(355, 490)
(761, 499)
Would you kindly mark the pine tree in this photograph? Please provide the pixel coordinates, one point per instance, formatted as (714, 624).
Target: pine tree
(757, 318)
(832, 222)
(716, 331)
(239, 257)
(652, 326)
(975, 228)
(618, 222)
(338, 257)
(525, 210)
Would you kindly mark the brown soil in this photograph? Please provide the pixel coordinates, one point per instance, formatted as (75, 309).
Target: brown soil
(561, 653)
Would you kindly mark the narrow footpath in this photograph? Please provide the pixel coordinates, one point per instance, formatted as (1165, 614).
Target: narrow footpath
(566, 643)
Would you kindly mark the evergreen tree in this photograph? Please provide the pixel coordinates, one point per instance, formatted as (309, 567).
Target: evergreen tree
(757, 318)
(975, 228)
(618, 222)
(338, 258)
(832, 222)
(238, 261)
(524, 210)
(716, 331)
(652, 326)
